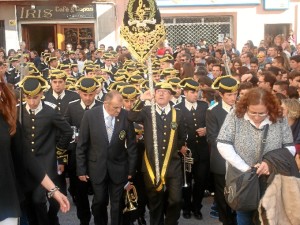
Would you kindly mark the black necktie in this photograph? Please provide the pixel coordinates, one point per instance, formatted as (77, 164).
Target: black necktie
(163, 114)
(31, 112)
(192, 109)
(87, 108)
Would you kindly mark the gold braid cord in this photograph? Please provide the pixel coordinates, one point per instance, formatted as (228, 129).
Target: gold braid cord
(143, 30)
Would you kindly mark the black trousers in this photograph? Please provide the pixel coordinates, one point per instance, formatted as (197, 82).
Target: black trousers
(79, 190)
(104, 192)
(36, 208)
(194, 193)
(157, 203)
(225, 213)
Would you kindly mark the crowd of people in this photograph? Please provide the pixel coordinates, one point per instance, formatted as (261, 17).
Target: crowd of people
(86, 115)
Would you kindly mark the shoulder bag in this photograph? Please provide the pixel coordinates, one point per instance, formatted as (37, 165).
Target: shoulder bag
(242, 189)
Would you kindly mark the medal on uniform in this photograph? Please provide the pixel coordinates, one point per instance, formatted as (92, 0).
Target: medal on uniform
(122, 135)
(174, 125)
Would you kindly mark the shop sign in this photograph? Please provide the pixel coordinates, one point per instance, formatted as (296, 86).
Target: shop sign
(56, 12)
(276, 5)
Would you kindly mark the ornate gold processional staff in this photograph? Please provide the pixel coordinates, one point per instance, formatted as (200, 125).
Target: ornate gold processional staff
(143, 30)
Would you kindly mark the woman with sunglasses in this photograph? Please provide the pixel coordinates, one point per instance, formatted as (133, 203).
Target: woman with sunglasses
(239, 140)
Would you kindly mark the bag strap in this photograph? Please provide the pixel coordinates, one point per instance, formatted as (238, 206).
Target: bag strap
(263, 141)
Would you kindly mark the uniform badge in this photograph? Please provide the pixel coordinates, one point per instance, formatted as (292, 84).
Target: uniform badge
(122, 135)
(174, 125)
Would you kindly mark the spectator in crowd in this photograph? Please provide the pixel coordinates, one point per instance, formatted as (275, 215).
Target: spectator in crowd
(291, 109)
(294, 79)
(244, 88)
(266, 80)
(281, 87)
(295, 62)
(237, 141)
(272, 53)
(187, 70)
(35, 58)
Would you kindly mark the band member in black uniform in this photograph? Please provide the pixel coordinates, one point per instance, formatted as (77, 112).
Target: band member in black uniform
(43, 66)
(58, 94)
(194, 114)
(86, 87)
(61, 97)
(71, 59)
(40, 123)
(130, 94)
(215, 116)
(177, 98)
(75, 71)
(172, 134)
(106, 155)
(108, 63)
(13, 75)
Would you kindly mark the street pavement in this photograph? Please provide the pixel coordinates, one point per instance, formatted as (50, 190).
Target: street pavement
(70, 218)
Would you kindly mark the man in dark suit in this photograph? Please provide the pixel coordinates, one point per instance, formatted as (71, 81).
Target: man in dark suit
(106, 155)
(171, 135)
(40, 123)
(86, 87)
(194, 112)
(215, 116)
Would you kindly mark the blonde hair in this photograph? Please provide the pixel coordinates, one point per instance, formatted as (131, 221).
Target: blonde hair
(293, 107)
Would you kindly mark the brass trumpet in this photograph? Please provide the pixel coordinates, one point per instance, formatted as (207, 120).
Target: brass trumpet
(131, 199)
(187, 165)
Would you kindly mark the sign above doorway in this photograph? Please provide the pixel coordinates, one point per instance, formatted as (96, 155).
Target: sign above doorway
(69, 12)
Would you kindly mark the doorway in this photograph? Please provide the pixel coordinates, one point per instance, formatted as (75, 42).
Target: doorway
(38, 36)
(272, 30)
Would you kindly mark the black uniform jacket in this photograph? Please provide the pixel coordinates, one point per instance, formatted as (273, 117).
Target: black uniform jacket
(163, 136)
(193, 121)
(97, 157)
(19, 171)
(215, 117)
(74, 112)
(63, 103)
(41, 131)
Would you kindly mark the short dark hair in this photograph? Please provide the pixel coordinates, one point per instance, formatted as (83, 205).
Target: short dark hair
(245, 85)
(269, 77)
(293, 92)
(284, 85)
(295, 58)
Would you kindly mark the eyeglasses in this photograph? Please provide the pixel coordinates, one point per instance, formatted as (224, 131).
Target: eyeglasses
(257, 114)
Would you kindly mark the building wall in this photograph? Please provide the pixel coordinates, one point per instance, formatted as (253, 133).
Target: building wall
(248, 20)
(7, 13)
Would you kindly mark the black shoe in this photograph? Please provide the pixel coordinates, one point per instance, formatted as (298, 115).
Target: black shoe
(186, 214)
(198, 215)
(214, 214)
(141, 220)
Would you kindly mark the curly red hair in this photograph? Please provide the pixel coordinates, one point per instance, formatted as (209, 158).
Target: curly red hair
(8, 107)
(256, 96)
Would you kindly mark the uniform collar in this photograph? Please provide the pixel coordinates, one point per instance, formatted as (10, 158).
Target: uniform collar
(61, 95)
(35, 111)
(84, 106)
(159, 109)
(226, 107)
(176, 100)
(189, 105)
